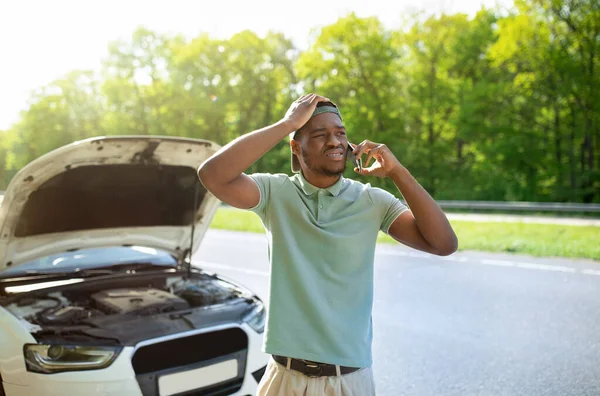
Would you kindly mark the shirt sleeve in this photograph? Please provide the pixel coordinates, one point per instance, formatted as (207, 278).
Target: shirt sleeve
(262, 180)
(388, 206)
(268, 186)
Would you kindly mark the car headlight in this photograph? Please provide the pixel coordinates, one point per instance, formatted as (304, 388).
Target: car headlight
(48, 359)
(256, 317)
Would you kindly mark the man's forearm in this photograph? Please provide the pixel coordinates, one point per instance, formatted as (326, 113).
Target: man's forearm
(430, 219)
(237, 156)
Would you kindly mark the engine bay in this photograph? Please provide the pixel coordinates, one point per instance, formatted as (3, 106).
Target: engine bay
(138, 301)
(81, 307)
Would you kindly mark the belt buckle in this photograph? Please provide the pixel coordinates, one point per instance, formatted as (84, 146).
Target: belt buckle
(308, 369)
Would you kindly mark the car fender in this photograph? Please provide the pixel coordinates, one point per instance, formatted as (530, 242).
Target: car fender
(13, 335)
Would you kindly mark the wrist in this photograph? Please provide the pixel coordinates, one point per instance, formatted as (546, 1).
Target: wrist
(398, 172)
(287, 126)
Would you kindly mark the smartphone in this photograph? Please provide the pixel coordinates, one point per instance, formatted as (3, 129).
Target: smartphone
(356, 162)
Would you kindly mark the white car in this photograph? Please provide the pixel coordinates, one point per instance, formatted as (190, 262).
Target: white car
(97, 292)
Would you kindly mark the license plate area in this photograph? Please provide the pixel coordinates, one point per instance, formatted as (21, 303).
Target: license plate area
(218, 376)
(202, 377)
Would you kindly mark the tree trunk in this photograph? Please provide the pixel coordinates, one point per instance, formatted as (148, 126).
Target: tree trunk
(587, 141)
(592, 41)
(572, 163)
(587, 150)
(557, 146)
(589, 144)
(459, 150)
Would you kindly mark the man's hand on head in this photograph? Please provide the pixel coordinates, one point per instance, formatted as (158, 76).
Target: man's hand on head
(385, 161)
(302, 109)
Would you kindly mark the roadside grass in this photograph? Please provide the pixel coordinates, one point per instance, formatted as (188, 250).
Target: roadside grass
(540, 240)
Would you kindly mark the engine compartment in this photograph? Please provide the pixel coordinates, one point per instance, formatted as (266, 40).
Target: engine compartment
(138, 301)
(74, 308)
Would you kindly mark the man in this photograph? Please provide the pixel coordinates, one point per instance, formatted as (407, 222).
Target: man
(322, 231)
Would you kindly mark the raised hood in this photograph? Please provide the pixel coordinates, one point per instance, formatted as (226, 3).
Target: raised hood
(106, 191)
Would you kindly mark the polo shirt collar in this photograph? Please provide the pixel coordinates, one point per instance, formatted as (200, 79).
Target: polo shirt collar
(309, 189)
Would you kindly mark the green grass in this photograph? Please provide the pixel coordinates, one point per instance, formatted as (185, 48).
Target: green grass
(236, 220)
(541, 240)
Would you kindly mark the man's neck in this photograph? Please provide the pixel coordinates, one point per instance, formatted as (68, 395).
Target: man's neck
(319, 180)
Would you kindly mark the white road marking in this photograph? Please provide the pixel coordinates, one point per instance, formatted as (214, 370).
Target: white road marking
(422, 256)
(542, 267)
(457, 259)
(590, 272)
(387, 253)
(502, 263)
(406, 254)
(545, 267)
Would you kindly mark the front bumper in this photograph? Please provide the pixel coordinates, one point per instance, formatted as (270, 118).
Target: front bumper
(120, 378)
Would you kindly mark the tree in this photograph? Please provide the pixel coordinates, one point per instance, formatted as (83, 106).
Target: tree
(493, 107)
(549, 49)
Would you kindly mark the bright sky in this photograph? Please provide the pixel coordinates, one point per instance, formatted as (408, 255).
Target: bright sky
(42, 40)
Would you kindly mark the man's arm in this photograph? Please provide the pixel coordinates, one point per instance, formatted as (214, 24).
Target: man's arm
(424, 226)
(223, 173)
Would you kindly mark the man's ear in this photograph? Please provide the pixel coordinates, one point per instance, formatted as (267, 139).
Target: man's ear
(295, 146)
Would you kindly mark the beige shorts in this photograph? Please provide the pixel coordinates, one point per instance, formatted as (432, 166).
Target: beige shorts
(279, 381)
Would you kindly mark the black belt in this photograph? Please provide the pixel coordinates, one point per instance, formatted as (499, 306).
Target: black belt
(314, 369)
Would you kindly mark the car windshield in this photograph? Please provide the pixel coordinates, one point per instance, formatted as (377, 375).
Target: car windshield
(85, 259)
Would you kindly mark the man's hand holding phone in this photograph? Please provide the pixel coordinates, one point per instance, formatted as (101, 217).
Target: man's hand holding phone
(385, 161)
(357, 162)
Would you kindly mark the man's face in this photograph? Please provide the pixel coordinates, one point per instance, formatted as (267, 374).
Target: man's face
(321, 145)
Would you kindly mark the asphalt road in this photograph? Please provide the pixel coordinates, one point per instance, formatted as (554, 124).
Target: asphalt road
(467, 324)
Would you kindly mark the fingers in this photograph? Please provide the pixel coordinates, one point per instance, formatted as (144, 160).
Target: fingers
(319, 98)
(373, 151)
(299, 112)
(367, 171)
(364, 147)
(311, 99)
(304, 99)
(376, 168)
(369, 157)
(307, 98)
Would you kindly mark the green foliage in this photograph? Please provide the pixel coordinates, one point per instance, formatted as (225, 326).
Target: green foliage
(494, 107)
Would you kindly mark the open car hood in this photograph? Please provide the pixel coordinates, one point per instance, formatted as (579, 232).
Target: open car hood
(107, 191)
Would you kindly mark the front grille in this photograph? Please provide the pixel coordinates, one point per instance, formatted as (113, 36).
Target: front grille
(192, 352)
(188, 350)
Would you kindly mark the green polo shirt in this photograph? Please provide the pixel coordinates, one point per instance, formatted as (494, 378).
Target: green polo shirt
(321, 252)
